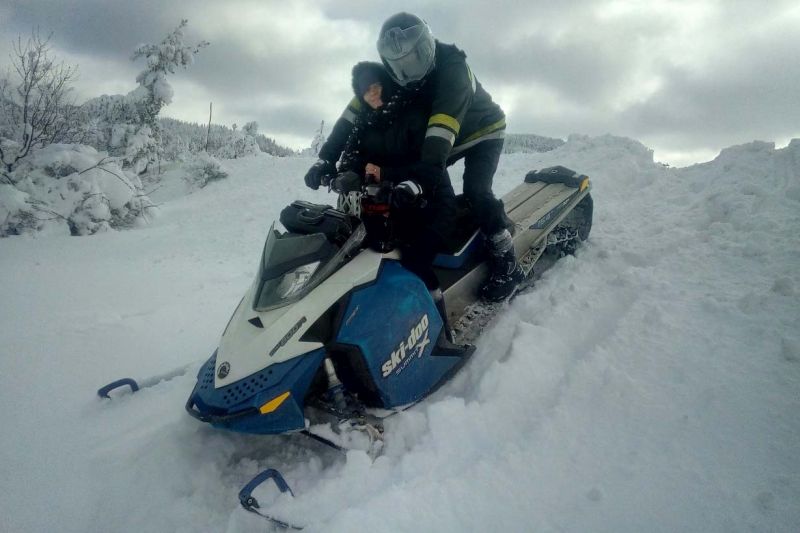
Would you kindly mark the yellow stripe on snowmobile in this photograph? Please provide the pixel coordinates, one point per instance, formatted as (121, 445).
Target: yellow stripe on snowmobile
(584, 184)
(440, 119)
(273, 404)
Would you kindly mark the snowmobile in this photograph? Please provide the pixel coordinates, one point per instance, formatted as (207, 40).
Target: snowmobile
(335, 335)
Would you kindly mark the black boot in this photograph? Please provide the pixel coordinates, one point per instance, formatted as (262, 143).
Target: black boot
(504, 271)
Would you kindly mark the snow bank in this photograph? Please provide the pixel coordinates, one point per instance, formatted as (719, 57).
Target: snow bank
(647, 384)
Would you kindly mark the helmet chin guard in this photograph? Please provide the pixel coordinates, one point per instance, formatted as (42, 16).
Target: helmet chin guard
(407, 48)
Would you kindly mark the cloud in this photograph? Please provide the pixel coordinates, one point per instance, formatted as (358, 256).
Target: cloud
(746, 88)
(683, 77)
(98, 27)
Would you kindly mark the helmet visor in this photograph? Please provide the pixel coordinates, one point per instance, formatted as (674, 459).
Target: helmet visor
(407, 53)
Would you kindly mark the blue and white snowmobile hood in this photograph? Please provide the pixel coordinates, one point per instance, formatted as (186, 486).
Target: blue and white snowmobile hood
(255, 340)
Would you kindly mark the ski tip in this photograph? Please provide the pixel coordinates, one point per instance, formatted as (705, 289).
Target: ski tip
(250, 504)
(102, 392)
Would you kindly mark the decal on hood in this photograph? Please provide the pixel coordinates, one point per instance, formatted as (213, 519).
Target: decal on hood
(289, 335)
(413, 345)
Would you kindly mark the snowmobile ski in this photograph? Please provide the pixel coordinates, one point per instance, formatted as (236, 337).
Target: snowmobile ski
(250, 504)
(136, 386)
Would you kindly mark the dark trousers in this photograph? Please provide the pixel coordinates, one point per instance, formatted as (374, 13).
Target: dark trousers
(480, 164)
(423, 233)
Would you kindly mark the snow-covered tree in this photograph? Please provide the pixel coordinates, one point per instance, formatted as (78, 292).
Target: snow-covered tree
(180, 140)
(318, 140)
(236, 144)
(161, 59)
(251, 128)
(129, 125)
(36, 107)
(529, 143)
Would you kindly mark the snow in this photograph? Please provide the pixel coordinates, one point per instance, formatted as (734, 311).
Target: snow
(650, 383)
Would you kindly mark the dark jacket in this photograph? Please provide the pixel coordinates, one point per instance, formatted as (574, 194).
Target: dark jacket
(460, 113)
(390, 137)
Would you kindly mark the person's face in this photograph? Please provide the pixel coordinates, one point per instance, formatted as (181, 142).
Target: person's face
(373, 95)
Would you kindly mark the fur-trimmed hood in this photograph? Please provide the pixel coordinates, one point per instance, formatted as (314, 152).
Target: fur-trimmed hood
(366, 73)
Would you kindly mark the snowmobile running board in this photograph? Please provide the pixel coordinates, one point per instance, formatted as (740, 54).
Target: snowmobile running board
(545, 199)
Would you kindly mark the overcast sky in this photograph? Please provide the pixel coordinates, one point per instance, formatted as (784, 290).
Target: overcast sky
(685, 78)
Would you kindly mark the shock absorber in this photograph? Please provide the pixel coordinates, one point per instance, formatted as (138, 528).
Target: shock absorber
(335, 388)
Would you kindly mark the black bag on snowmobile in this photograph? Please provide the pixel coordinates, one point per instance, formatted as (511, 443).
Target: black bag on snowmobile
(557, 174)
(305, 218)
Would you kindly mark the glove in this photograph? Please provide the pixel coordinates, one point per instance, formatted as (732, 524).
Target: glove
(426, 175)
(320, 172)
(407, 194)
(347, 182)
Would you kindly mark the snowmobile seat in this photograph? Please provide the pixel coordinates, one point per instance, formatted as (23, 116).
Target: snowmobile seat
(466, 242)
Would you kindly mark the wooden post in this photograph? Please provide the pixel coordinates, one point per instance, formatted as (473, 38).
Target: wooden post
(208, 130)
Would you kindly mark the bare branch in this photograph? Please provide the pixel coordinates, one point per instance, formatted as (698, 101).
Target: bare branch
(38, 207)
(40, 111)
(99, 166)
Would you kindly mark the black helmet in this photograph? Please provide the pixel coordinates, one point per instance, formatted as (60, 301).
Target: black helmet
(407, 48)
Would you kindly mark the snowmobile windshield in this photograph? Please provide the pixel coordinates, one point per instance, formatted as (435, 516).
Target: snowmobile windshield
(292, 265)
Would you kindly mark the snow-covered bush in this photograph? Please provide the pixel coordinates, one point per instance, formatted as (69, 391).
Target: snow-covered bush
(70, 189)
(201, 169)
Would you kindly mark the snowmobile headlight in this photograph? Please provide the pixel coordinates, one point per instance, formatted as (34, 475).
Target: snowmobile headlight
(293, 281)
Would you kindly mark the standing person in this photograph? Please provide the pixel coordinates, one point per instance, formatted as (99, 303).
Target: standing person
(386, 138)
(463, 122)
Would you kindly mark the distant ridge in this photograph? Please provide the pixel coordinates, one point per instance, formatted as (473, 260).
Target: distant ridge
(530, 143)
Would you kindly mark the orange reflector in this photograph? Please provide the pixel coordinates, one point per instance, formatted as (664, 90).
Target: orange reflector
(273, 404)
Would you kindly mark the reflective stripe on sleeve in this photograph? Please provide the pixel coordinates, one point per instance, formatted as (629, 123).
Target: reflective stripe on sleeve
(349, 116)
(444, 133)
(440, 119)
(349, 113)
(499, 134)
(472, 80)
(500, 124)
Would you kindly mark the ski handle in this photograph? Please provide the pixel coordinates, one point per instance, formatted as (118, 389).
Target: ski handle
(103, 391)
(251, 504)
